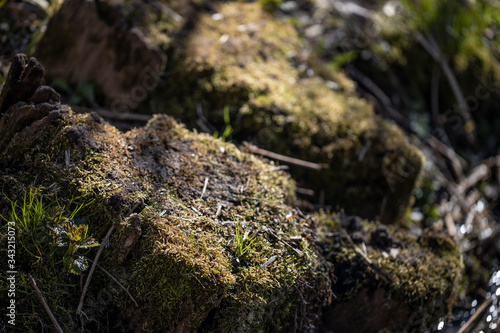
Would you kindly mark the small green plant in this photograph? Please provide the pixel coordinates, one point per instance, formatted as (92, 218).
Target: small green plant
(243, 240)
(50, 234)
(228, 129)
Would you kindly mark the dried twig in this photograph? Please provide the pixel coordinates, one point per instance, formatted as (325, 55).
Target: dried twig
(380, 95)
(277, 168)
(457, 162)
(92, 269)
(202, 121)
(114, 279)
(474, 317)
(382, 273)
(204, 188)
(477, 174)
(44, 303)
(300, 253)
(430, 45)
(286, 159)
(436, 74)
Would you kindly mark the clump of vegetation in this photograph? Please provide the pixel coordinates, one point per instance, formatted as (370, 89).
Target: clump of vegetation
(178, 253)
(420, 276)
(50, 247)
(243, 241)
(247, 61)
(49, 234)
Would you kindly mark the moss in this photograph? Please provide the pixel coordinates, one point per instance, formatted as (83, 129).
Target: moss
(422, 274)
(249, 62)
(174, 245)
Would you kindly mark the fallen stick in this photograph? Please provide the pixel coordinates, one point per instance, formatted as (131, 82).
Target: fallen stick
(116, 280)
(286, 159)
(457, 162)
(477, 174)
(430, 45)
(92, 269)
(44, 303)
(473, 318)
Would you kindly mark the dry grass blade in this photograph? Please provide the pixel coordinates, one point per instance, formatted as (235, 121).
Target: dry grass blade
(44, 303)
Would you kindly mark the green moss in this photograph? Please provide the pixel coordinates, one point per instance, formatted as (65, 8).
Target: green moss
(249, 62)
(423, 273)
(174, 244)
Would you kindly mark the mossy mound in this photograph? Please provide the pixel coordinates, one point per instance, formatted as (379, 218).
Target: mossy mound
(414, 279)
(243, 59)
(204, 239)
(238, 57)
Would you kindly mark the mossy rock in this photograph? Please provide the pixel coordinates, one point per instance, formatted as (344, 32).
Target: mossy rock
(238, 57)
(249, 61)
(205, 239)
(203, 230)
(388, 279)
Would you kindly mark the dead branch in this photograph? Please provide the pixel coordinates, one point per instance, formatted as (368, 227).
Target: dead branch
(477, 174)
(286, 159)
(476, 315)
(380, 95)
(430, 45)
(300, 253)
(44, 303)
(92, 269)
(114, 279)
(457, 162)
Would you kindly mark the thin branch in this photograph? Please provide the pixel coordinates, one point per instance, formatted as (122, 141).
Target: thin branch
(300, 253)
(380, 95)
(277, 168)
(114, 279)
(477, 174)
(286, 159)
(45, 305)
(92, 269)
(473, 318)
(432, 48)
(457, 162)
(436, 74)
